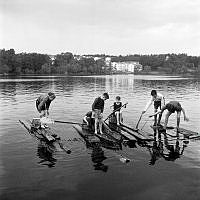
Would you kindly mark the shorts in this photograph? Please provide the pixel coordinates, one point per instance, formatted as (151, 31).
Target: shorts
(96, 113)
(157, 104)
(171, 108)
(37, 104)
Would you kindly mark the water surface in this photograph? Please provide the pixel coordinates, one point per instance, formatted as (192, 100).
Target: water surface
(29, 171)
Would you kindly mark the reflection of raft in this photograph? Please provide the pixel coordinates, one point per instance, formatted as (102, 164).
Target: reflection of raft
(140, 135)
(45, 135)
(129, 132)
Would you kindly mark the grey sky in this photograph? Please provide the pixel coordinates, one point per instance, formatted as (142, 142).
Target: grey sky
(101, 26)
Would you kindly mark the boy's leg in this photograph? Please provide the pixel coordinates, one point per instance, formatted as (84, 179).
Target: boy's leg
(95, 125)
(43, 114)
(155, 117)
(166, 119)
(118, 117)
(100, 126)
(178, 118)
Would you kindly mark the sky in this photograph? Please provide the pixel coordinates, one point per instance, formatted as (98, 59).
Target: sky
(113, 27)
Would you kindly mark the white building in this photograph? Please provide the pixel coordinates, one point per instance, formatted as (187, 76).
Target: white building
(108, 61)
(127, 66)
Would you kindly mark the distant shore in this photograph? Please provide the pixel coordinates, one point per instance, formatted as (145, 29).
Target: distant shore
(118, 73)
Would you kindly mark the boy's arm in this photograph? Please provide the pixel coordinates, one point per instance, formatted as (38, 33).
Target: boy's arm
(147, 105)
(185, 117)
(43, 102)
(163, 100)
(94, 103)
(85, 120)
(159, 112)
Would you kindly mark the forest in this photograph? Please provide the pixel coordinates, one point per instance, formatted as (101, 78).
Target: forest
(69, 64)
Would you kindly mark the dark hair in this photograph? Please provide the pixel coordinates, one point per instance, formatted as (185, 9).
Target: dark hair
(106, 95)
(118, 97)
(153, 92)
(51, 94)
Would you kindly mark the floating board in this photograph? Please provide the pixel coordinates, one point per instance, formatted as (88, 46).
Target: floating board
(124, 134)
(92, 139)
(138, 134)
(87, 135)
(111, 134)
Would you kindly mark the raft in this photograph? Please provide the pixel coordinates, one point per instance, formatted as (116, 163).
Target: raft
(106, 139)
(45, 135)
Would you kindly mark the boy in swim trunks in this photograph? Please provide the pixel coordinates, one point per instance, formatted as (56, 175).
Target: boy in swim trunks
(171, 107)
(117, 108)
(97, 111)
(157, 99)
(43, 103)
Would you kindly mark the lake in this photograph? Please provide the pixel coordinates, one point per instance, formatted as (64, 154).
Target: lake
(28, 171)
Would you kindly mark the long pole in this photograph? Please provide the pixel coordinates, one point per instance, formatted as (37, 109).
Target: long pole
(139, 121)
(66, 122)
(115, 111)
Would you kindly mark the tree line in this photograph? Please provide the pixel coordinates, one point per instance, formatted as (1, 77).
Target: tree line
(69, 64)
(34, 63)
(169, 63)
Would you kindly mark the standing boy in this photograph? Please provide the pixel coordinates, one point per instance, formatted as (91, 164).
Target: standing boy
(117, 108)
(157, 99)
(97, 111)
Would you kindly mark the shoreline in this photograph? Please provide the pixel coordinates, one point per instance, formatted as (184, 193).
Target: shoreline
(155, 73)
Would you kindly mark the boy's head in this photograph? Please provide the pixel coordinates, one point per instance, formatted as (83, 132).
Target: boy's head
(105, 96)
(52, 96)
(154, 93)
(118, 98)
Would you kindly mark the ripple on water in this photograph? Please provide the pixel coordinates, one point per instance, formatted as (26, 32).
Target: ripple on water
(75, 96)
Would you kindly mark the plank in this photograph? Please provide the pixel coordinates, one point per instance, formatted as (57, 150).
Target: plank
(86, 134)
(138, 134)
(125, 135)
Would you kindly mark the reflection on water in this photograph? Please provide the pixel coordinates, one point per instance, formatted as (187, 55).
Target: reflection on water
(71, 176)
(98, 157)
(168, 148)
(45, 153)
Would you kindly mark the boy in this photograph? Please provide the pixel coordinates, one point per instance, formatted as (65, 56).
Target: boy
(88, 119)
(117, 107)
(43, 103)
(157, 98)
(97, 110)
(171, 107)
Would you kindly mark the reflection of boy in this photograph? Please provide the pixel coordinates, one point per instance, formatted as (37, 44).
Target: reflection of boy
(43, 103)
(157, 99)
(97, 110)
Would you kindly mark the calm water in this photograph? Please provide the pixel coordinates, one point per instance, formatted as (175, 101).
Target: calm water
(29, 171)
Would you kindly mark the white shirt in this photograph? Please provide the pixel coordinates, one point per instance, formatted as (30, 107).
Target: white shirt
(159, 97)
